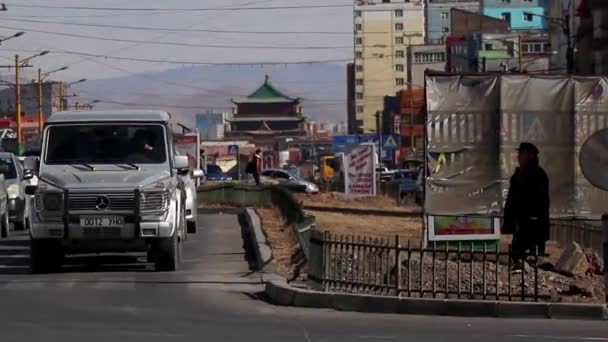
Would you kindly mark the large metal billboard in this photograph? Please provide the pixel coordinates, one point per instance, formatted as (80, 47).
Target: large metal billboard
(475, 123)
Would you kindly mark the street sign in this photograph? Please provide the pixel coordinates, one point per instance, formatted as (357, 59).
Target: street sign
(391, 142)
(233, 149)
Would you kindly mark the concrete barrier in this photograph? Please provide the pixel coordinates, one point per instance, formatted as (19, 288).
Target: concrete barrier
(281, 293)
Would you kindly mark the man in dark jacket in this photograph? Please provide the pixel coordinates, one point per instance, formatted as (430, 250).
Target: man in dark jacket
(526, 213)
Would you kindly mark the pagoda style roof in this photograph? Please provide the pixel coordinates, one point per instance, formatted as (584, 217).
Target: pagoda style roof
(266, 118)
(266, 93)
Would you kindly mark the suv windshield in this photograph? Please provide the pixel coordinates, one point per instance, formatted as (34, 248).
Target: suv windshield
(106, 144)
(7, 168)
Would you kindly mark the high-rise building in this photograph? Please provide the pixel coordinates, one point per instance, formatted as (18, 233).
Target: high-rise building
(438, 19)
(383, 31)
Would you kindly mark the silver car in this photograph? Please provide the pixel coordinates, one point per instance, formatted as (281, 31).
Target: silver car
(15, 180)
(290, 181)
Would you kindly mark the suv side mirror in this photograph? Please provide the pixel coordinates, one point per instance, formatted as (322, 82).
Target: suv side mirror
(181, 162)
(31, 164)
(197, 173)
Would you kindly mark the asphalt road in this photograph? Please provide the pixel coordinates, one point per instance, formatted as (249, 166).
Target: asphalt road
(213, 298)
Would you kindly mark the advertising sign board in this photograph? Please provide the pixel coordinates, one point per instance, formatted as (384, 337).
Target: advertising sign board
(360, 177)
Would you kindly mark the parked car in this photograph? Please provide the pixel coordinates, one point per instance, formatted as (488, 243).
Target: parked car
(15, 180)
(420, 187)
(405, 181)
(215, 173)
(290, 181)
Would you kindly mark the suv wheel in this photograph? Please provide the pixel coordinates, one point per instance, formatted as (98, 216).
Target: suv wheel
(168, 254)
(5, 226)
(45, 255)
(191, 227)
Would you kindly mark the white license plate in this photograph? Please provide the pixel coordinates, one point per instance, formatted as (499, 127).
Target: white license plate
(102, 221)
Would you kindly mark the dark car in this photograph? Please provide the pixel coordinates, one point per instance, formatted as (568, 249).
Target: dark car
(406, 181)
(215, 173)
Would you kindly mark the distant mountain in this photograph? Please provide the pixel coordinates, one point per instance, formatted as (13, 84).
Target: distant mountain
(190, 90)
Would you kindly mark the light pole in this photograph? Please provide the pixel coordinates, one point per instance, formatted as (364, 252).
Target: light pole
(16, 35)
(564, 24)
(41, 77)
(21, 63)
(62, 97)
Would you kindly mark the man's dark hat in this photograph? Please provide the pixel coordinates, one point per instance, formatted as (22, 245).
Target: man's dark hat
(528, 147)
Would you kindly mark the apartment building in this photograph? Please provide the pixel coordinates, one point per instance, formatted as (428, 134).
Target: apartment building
(438, 17)
(520, 14)
(383, 31)
(599, 14)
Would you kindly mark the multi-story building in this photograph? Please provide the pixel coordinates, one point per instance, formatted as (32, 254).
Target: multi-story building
(520, 14)
(29, 99)
(421, 58)
(383, 31)
(438, 17)
(504, 52)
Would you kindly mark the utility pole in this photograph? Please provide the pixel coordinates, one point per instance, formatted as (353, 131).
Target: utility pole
(18, 105)
(60, 96)
(519, 50)
(40, 124)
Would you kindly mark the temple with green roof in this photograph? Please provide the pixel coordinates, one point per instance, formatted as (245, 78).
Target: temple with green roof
(267, 113)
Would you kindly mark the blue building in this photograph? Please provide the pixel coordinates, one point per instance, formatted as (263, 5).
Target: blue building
(521, 14)
(438, 21)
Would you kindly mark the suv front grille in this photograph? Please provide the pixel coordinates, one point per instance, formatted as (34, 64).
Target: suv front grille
(96, 233)
(149, 201)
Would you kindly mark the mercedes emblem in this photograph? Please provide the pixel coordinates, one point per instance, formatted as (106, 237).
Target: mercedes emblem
(102, 203)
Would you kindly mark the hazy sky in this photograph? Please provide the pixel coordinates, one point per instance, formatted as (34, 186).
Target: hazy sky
(20, 19)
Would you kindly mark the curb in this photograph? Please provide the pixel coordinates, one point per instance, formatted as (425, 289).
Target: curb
(281, 293)
(261, 248)
(371, 212)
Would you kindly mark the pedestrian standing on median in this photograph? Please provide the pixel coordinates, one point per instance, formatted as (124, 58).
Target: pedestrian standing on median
(526, 214)
(256, 166)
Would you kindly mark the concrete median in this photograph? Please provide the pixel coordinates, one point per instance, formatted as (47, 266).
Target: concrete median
(281, 293)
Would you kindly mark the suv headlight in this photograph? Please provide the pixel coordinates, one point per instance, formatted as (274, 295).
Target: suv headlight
(13, 191)
(48, 198)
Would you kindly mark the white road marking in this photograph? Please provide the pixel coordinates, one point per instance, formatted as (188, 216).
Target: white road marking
(578, 338)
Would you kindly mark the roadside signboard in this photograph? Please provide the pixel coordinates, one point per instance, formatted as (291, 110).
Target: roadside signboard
(390, 143)
(188, 145)
(463, 228)
(360, 175)
(233, 149)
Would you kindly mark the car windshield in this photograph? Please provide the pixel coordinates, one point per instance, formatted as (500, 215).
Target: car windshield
(7, 168)
(106, 144)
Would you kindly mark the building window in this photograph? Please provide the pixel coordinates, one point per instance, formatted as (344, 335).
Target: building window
(359, 68)
(399, 40)
(358, 54)
(445, 16)
(359, 41)
(359, 96)
(445, 30)
(535, 47)
(398, 27)
(399, 67)
(429, 57)
(360, 109)
(506, 1)
(398, 13)
(489, 47)
(358, 14)
(359, 81)
(528, 17)
(399, 81)
(399, 54)
(506, 16)
(358, 27)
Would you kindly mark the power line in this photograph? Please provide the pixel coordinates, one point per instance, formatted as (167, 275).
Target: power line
(219, 46)
(147, 28)
(199, 9)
